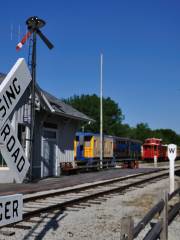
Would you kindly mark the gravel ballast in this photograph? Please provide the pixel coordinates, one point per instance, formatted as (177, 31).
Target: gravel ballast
(99, 221)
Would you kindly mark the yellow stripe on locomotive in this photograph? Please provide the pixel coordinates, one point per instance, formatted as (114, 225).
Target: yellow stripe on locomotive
(87, 146)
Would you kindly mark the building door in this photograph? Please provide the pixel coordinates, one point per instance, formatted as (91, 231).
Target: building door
(49, 153)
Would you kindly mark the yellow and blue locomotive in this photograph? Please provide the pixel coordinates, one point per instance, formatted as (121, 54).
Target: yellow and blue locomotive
(115, 149)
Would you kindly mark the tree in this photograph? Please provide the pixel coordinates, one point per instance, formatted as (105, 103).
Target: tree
(113, 118)
(141, 132)
(90, 105)
(167, 135)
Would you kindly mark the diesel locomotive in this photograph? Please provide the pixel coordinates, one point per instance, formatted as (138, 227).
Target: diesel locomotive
(115, 149)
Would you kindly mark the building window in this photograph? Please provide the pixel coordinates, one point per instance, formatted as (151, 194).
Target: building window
(50, 125)
(49, 134)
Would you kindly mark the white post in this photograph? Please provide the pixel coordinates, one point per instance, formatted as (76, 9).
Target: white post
(171, 175)
(101, 113)
(172, 149)
(155, 161)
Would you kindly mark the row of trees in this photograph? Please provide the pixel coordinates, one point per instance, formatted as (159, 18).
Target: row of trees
(113, 120)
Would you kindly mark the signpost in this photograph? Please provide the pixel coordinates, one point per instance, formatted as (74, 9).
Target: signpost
(10, 209)
(11, 90)
(172, 152)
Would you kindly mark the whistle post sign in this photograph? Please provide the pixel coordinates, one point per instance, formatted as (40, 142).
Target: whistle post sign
(172, 152)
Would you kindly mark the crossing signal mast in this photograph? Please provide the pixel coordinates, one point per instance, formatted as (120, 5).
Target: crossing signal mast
(33, 25)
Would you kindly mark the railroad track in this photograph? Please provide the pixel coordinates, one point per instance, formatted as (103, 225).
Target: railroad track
(36, 204)
(60, 199)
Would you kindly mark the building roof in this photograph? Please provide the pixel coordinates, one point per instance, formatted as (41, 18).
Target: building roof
(56, 106)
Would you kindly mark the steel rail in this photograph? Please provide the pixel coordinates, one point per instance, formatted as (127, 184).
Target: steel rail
(63, 205)
(90, 185)
(80, 199)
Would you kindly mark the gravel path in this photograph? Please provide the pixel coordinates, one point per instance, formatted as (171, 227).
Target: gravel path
(99, 221)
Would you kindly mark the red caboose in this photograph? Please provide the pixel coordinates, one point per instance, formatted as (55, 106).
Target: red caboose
(154, 147)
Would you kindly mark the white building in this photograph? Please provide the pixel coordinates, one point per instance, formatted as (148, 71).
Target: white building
(55, 126)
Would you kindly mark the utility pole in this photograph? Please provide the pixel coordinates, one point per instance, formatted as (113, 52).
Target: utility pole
(33, 24)
(101, 111)
(33, 103)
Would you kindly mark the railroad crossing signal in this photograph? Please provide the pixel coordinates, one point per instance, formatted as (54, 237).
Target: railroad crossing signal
(11, 90)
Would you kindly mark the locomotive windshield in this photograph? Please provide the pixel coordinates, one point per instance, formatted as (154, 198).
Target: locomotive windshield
(87, 138)
(147, 147)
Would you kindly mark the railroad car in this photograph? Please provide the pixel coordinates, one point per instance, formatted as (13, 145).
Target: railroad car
(153, 147)
(178, 153)
(127, 150)
(87, 150)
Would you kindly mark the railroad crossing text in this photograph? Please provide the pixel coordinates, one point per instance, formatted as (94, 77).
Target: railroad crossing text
(10, 209)
(12, 89)
(13, 152)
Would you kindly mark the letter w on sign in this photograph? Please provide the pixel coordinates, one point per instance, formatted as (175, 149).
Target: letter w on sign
(172, 149)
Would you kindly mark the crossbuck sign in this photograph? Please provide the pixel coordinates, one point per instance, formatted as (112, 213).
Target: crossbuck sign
(10, 209)
(11, 90)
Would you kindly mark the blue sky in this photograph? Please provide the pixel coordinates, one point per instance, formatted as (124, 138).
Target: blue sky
(140, 41)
